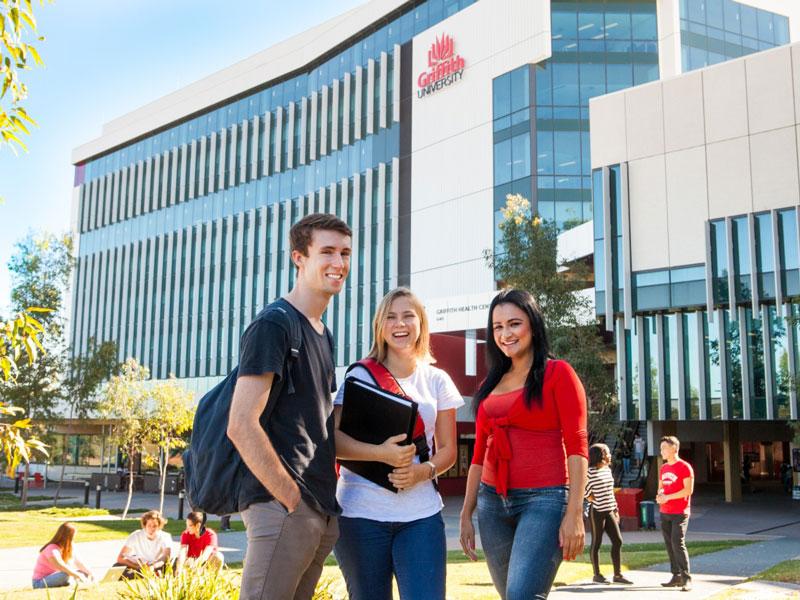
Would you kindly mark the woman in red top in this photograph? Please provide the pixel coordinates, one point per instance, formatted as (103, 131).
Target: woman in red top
(528, 473)
(199, 544)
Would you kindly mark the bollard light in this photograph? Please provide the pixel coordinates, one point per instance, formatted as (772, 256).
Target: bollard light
(97, 496)
(180, 505)
(86, 487)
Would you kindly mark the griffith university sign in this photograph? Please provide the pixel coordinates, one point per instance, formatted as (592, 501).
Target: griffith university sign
(445, 67)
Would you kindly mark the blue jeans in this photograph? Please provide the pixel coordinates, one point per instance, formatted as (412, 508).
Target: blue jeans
(57, 579)
(370, 552)
(519, 535)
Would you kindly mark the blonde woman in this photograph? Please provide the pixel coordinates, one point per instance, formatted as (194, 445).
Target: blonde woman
(385, 534)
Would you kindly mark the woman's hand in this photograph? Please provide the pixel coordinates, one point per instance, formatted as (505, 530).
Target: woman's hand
(467, 537)
(396, 455)
(571, 535)
(407, 477)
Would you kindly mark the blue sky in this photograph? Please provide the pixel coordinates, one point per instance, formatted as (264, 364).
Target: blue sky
(105, 58)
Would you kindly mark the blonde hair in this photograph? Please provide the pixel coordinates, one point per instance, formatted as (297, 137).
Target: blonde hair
(422, 347)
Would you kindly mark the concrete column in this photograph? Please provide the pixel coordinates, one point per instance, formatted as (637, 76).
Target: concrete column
(699, 462)
(732, 456)
(767, 459)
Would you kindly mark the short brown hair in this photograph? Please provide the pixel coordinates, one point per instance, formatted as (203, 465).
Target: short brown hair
(672, 441)
(302, 232)
(153, 515)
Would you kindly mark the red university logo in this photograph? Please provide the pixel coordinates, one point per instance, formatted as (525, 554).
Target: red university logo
(445, 66)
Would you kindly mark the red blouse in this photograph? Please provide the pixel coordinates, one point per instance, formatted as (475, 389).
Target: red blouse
(528, 448)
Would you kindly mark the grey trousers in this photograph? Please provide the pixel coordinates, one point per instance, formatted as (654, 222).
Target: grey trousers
(673, 528)
(285, 552)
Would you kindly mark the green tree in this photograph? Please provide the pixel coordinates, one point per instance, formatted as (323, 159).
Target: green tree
(19, 340)
(126, 401)
(86, 374)
(17, 27)
(528, 259)
(171, 415)
(40, 269)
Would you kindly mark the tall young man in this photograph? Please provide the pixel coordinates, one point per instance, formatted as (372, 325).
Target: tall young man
(674, 498)
(288, 496)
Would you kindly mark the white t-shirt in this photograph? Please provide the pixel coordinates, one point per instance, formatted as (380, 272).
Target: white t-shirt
(434, 391)
(146, 549)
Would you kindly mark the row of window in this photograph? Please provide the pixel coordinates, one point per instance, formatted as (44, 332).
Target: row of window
(179, 301)
(687, 366)
(713, 31)
(264, 146)
(401, 27)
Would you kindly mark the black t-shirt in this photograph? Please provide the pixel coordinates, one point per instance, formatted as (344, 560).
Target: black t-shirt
(300, 426)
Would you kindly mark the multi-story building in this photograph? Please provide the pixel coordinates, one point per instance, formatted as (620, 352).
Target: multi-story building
(412, 120)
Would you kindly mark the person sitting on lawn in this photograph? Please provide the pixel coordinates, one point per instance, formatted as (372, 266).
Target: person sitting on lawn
(56, 564)
(198, 544)
(148, 546)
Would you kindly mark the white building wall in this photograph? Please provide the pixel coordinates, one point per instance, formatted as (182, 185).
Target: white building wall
(452, 144)
(720, 141)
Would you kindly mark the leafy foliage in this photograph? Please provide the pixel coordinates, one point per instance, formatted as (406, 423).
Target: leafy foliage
(529, 260)
(41, 267)
(17, 26)
(188, 584)
(17, 335)
(126, 401)
(170, 416)
(16, 445)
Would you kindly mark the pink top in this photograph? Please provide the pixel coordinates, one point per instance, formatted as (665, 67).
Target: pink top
(43, 567)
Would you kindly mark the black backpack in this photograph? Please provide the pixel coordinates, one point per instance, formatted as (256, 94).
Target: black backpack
(212, 465)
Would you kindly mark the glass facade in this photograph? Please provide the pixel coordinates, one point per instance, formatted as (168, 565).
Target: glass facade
(682, 362)
(713, 31)
(183, 234)
(541, 112)
(598, 47)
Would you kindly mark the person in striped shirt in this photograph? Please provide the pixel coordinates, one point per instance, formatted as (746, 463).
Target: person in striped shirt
(603, 514)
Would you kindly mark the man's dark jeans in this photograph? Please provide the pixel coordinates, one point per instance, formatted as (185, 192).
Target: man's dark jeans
(673, 527)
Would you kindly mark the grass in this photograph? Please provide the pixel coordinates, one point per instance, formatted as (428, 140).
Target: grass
(465, 580)
(35, 526)
(9, 501)
(787, 572)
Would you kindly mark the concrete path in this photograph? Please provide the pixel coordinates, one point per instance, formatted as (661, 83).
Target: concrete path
(712, 573)
(771, 520)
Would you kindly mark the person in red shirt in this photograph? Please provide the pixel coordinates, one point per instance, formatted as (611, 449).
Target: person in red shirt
(674, 497)
(198, 544)
(528, 473)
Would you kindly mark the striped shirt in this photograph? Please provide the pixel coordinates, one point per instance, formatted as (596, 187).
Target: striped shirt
(600, 486)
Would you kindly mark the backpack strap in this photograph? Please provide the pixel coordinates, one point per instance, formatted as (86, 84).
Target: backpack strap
(287, 315)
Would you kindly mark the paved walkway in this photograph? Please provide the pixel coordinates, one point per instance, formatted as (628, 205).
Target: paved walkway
(773, 520)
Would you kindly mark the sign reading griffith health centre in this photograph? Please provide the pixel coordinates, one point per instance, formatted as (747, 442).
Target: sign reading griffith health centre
(445, 67)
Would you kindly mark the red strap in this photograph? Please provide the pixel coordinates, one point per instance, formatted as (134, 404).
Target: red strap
(387, 381)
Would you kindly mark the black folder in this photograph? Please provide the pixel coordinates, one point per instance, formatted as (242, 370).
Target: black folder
(371, 414)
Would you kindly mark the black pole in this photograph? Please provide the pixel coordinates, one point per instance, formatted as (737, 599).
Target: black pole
(17, 480)
(86, 487)
(97, 496)
(180, 505)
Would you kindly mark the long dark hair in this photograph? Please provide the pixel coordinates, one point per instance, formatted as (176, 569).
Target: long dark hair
(498, 363)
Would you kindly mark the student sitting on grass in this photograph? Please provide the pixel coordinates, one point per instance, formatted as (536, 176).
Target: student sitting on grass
(198, 544)
(148, 546)
(56, 565)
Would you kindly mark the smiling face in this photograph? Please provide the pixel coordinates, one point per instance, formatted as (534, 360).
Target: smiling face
(668, 451)
(327, 263)
(193, 528)
(151, 528)
(401, 327)
(512, 330)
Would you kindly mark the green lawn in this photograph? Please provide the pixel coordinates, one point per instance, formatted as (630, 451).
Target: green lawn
(787, 572)
(465, 580)
(35, 526)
